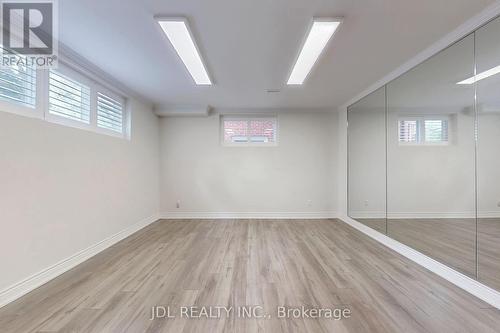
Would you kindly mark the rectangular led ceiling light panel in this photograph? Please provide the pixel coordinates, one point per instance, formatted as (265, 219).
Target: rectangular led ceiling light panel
(481, 76)
(177, 31)
(319, 35)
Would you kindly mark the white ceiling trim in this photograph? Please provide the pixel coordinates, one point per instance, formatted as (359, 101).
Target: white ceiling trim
(201, 111)
(184, 111)
(271, 111)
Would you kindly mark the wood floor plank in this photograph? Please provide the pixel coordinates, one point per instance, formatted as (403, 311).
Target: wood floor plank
(451, 241)
(232, 263)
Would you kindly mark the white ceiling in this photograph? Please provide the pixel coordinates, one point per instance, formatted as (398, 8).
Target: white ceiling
(431, 87)
(250, 46)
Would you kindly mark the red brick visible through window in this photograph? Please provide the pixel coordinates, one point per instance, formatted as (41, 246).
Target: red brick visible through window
(252, 128)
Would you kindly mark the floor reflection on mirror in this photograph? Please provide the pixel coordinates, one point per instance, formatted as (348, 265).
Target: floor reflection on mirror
(377, 224)
(450, 241)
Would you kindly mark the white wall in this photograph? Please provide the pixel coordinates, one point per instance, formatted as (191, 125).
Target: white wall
(367, 156)
(342, 170)
(212, 180)
(488, 165)
(63, 190)
(367, 163)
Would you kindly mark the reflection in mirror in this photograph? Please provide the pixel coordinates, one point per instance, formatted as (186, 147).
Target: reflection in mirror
(367, 163)
(488, 158)
(431, 158)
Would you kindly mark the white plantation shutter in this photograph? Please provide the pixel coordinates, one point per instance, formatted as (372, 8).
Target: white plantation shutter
(436, 130)
(68, 98)
(109, 113)
(18, 84)
(408, 131)
(424, 130)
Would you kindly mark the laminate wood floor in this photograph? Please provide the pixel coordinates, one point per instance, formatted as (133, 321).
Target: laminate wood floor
(268, 263)
(452, 242)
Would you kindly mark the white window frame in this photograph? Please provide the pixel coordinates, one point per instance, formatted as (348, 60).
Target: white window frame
(79, 78)
(79, 74)
(125, 113)
(25, 110)
(421, 127)
(234, 117)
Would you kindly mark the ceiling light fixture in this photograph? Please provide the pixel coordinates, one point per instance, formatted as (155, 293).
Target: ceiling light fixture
(179, 34)
(320, 33)
(481, 76)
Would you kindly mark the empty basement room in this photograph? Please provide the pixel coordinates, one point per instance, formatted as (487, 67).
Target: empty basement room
(249, 166)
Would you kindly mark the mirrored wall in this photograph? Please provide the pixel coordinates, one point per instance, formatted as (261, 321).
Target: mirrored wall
(424, 162)
(367, 160)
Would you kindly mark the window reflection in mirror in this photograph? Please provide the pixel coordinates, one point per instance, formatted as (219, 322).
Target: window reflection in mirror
(431, 158)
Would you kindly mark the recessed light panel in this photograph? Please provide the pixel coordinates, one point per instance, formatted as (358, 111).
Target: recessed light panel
(481, 76)
(178, 33)
(319, 35)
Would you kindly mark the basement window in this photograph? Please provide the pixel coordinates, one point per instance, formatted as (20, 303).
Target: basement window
(67, 96)
(428, 130)
(18, 83)
(249, 131)
(110, 112)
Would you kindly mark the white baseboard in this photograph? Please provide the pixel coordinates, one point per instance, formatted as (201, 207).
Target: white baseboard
(491, 215)
(248, 215)
(368, 214)
(431, 215)
(468, 284)
(23, 287)
(422, 215)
